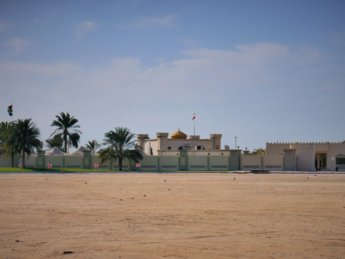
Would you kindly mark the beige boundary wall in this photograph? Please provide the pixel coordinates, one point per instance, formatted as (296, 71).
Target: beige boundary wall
(278, 157)
(267, 162)
(300, 159)
(164, 162)
(174, 161)
(5, 161)
(169, 161)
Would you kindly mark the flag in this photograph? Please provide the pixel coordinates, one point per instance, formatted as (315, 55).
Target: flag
(194, 117)
(10, 110)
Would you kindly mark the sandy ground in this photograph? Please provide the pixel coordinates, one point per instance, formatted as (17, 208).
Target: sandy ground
(172, 216)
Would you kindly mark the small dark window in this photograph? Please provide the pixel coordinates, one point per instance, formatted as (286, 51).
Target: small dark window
(340, 161)
(151, 151)
(169, 148)
(180, 148)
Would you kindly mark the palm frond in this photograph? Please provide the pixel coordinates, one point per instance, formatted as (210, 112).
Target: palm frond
(66, 126)
(120, 145)
(25, 138)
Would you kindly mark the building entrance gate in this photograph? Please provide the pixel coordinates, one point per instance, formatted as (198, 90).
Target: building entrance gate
(320, 161)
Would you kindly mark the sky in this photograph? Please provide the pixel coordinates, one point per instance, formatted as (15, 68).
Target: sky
(261, 71)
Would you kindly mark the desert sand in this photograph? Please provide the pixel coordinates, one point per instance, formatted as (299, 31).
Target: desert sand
(194, 215)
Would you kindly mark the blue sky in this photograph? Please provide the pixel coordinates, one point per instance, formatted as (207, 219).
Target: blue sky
(263, 71)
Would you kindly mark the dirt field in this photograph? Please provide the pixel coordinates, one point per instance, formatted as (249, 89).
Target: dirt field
(172, 216)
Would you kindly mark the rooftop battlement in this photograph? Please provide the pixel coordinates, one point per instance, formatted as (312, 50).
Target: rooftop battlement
(305, 143)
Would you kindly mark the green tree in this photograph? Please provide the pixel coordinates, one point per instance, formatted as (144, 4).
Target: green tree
(259, 151)
(25, 138)
(67, 129)
(6, 130)
(120, 144)
(55, 141)
(93, 146)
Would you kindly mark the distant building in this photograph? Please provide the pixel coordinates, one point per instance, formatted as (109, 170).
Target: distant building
(177, 141)
(310, 156)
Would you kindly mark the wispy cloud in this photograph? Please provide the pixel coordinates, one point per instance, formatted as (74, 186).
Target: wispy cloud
(245, 66)
(249, 54)
(39, 70)
(155, 22)
(85, 27)
(263, 74)
(17, 45)
(3, 26)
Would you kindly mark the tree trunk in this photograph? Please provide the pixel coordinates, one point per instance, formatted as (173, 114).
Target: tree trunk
(12, 158)
(120, 164)
(65, 142)
(23, 159)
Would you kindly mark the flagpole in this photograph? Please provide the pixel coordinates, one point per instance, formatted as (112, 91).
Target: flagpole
(194, 124)
(193, 118)
(194, 128)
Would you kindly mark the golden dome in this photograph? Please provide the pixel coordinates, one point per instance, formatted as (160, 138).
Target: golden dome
(178, 134)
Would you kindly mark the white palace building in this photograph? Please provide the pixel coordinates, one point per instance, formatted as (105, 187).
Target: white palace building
(195, 153)
(177, 141)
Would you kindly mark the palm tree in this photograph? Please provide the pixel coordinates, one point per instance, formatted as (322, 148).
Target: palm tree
(55, 141)
(6, 130)
(67, 130)
(120, 145)
(24, 138)
(93, 145)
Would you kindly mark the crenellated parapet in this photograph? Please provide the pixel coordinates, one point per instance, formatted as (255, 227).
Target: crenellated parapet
(305, 143)
(162, 135)
(142, 136)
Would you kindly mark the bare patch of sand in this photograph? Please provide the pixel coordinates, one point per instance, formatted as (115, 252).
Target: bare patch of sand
(172, 216)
